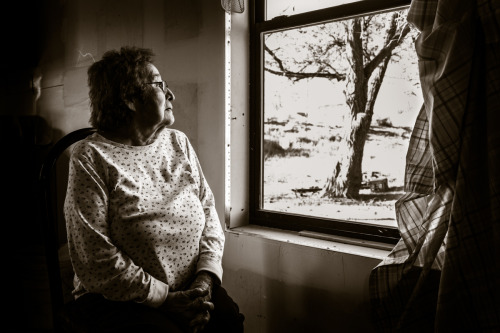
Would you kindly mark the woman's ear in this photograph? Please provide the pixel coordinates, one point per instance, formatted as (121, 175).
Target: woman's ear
(131, 105)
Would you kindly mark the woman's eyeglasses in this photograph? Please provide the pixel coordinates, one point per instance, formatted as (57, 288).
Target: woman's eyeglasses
(160, 84)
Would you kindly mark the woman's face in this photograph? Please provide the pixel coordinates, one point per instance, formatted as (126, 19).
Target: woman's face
(156, 110)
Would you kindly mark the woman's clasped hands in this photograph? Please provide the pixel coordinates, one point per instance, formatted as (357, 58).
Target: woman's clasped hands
(192, 306)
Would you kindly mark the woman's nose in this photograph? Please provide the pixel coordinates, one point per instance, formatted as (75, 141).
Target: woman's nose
(170, 95)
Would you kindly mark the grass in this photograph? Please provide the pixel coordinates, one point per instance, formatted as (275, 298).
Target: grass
(304, 159)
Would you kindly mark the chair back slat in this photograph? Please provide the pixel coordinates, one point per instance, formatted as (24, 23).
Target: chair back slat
(48, 212)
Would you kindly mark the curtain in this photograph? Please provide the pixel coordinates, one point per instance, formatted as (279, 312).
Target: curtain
(233, 6)
(444, 273)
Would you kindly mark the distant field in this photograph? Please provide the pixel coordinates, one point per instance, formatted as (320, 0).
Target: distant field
(300, 154)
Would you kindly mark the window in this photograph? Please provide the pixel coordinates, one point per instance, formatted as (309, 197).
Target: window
(335, 93)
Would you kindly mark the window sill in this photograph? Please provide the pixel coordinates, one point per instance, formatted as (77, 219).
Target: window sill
(317, 240)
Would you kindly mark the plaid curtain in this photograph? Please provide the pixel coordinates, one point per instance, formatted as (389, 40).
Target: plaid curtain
(444, 274)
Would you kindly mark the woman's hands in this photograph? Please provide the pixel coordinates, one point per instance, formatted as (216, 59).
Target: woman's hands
(203, 281)
(192, 306)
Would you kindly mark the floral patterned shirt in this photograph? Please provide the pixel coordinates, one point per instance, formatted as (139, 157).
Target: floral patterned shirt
(141, 220)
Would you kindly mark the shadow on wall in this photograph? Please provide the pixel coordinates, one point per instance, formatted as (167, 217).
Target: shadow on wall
(26, 141)
(273, 306)
(282, 286)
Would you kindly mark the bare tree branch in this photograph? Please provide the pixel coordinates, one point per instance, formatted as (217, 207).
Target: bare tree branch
(300, 75)
(393, 39)
(340, 43)
(275, 57)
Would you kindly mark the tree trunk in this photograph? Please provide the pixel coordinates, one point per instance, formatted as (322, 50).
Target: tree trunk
(345, 180)
(347, 174)
(361, 94)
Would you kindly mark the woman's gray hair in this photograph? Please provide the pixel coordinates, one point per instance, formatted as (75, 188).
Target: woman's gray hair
(119, 77)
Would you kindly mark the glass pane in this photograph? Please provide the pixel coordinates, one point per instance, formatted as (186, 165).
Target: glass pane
(276, 8)
(336, 127)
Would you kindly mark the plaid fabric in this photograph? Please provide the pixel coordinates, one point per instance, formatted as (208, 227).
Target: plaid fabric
(444, 274)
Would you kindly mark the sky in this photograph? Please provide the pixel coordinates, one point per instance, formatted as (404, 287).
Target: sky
(399, 99)
(290, 7)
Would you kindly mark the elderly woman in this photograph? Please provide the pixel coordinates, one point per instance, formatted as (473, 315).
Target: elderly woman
(144, 237)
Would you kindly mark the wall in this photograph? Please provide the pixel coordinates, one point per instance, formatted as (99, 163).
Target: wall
(188, 40)
(48, 46)
(279, 285)
(284, 283)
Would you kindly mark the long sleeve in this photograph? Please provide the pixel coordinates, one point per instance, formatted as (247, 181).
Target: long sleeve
(212, 239)
(99, 265)
(141, 220)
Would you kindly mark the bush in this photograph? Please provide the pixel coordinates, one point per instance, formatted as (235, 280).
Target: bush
(304, 140)
(385, 122)
(335, 138)
(273, 148)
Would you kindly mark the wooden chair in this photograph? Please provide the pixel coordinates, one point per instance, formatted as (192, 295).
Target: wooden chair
(63, 313)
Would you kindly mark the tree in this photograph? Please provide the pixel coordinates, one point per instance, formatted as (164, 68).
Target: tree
(359, 57)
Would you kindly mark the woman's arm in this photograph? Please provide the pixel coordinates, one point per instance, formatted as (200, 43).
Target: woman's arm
(99, 265)
(212, 238)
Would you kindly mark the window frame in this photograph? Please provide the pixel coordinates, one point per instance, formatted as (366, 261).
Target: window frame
(289, 221)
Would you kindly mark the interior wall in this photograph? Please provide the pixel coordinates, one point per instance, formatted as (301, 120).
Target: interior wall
(188, 40)
(286, 287)
(279, 286)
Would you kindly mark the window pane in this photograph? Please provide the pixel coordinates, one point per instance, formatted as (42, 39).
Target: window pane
(276, 8)
(325, 109)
